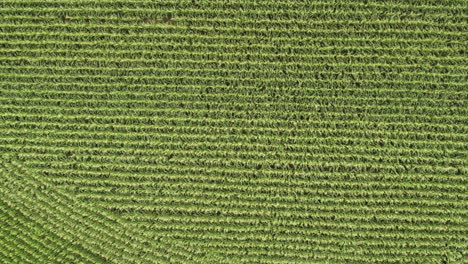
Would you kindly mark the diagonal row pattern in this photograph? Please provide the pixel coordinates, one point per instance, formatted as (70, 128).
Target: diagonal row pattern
(54, 226)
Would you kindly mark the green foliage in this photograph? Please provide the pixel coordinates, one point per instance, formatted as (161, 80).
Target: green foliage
(242, 131)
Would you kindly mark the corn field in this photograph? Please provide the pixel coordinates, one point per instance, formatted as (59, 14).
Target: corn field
(247, 131)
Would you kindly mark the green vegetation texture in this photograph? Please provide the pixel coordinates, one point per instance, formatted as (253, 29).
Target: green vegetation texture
(234, 131)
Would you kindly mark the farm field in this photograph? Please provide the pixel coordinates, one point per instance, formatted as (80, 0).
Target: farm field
(247, 131)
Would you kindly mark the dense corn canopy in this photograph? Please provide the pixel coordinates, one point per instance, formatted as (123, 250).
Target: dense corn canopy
(157, 131)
